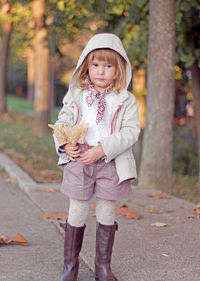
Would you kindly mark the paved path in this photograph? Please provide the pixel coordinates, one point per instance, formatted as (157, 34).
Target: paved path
(142, 252)
(42, 259)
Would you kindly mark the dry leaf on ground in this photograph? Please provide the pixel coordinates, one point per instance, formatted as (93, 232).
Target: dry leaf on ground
(127, 213)
(197, 210)
(11, 180)
(19, 239)
(152, 210)
(160, 196)
(159, 224)
(3, 239)
(191, 217)
(57, 216)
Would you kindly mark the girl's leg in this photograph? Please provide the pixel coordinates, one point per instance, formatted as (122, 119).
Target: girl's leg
(74, 231)
(105, 211)
(78, 212)
(105, 234)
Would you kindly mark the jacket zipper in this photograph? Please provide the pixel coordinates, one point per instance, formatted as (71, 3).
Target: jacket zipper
(112, 122)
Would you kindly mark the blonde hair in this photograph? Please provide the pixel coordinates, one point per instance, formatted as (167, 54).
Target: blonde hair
(109, 56)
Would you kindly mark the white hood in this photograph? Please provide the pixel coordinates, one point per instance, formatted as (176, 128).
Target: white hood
(99, 41)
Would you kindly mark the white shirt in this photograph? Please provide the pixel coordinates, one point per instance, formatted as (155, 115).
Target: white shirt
(97, 131)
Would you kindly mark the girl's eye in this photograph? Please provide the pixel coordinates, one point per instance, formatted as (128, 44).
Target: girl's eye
(108, 66)
(95, 64)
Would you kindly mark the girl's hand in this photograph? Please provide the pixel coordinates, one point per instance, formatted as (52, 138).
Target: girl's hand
(72, 151)
(91, 155)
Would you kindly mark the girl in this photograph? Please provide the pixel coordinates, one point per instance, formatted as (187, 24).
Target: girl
(98, 95)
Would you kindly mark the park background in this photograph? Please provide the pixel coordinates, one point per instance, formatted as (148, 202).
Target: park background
(40, 43)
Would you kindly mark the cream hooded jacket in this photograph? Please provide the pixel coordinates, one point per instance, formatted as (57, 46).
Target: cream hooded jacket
(125, 126)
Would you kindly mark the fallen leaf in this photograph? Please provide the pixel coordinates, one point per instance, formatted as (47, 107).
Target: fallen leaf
(191, 217)
(152, 210)
(165, 255)
(130, 214)
(160, 196)
(19, 239)
(127, 213)
(3, 239)
(57, 216)
(197, 210)
(159, 224)
(121, 209)
(10, 180)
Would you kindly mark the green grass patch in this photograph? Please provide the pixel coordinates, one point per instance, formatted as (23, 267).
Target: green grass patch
(23, 106)
(20, 105)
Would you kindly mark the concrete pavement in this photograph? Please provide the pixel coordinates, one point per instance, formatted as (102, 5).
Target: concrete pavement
(142, 252)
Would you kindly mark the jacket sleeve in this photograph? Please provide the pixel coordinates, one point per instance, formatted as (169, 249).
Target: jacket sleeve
(126, 136)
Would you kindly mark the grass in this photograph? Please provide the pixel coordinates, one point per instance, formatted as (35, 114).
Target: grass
(23, 106)
(37, 156)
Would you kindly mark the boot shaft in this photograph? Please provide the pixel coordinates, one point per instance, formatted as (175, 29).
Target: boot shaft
(105, 235)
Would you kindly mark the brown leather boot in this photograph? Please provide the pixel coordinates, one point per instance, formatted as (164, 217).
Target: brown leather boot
(105, 235)
(72, 247)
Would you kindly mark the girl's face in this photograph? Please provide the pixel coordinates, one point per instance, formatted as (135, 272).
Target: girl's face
(101, 74)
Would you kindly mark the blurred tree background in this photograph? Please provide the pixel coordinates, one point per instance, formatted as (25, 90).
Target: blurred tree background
(40, 43)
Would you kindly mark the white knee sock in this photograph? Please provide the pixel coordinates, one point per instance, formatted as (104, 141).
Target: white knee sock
(78, 212)
(79, 209)
(105, 211)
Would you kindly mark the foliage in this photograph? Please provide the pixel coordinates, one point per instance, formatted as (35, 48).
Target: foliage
(185, 150)
(134, 32)
(187, 31)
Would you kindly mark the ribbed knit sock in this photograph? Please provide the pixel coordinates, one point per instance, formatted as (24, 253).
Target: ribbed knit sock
(78, 212)
(79, 209)
(105, 211)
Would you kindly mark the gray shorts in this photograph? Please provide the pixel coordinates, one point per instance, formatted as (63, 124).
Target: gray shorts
(81, 181)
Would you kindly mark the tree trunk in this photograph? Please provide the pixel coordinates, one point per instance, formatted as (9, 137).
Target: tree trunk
(196, 92)
(30, 75)
(6, 34)
(41, 85)
(156, 163)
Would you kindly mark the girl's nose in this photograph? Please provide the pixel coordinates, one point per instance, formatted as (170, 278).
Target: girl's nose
(101, 70)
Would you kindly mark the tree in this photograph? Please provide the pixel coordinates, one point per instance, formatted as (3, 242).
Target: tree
(41, 73)
(6, 34)
(156, 163)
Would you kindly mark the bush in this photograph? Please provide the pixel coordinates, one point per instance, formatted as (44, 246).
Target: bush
(185, 160)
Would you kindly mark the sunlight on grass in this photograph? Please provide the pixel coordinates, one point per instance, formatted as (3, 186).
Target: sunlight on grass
(23, 106)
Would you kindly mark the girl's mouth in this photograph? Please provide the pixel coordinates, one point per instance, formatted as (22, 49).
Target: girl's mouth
(100, 79)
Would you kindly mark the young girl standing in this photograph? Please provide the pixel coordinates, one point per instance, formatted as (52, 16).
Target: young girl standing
(98, 95)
